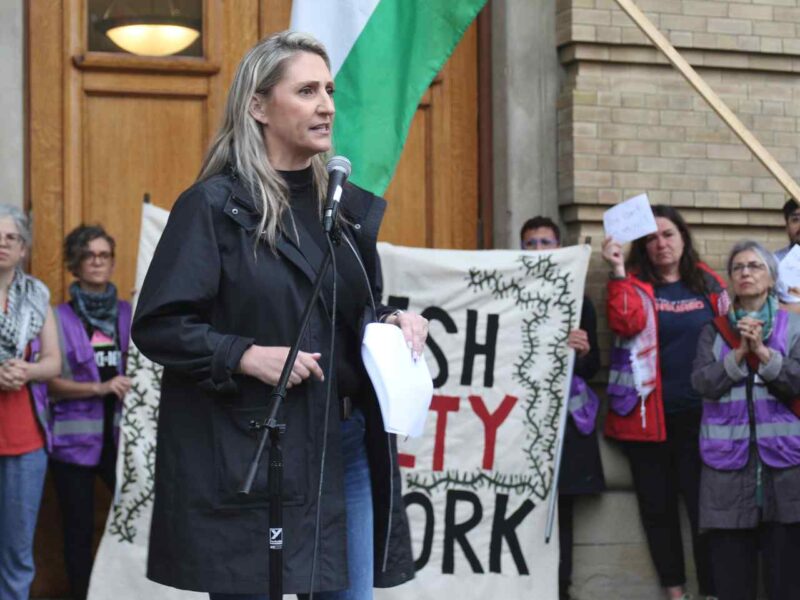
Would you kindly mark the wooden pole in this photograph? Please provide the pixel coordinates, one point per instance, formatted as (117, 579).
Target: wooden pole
(714, 101)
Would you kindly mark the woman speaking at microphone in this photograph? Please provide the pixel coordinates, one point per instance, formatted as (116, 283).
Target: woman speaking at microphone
(219, 308)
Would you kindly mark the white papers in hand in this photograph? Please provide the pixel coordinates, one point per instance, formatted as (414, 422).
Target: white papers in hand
(630, 220)
(404, 387)
(789, 274)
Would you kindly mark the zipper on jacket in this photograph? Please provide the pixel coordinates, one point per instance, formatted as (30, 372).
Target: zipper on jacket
(391, 505)
(751, 414)
(643, 412)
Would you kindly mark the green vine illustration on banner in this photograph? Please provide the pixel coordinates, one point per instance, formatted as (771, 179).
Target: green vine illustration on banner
(541, 291)
(139, 419)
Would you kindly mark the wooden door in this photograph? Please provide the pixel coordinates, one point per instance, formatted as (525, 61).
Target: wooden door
(106, 128)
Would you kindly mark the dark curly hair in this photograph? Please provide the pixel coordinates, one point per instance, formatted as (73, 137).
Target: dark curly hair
(537, 222)
(639, 262)
(77, 242)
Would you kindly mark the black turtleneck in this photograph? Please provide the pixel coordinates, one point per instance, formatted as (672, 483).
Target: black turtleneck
(351, 296)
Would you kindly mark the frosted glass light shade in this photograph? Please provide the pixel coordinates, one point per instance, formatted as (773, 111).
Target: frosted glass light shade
(152, 39)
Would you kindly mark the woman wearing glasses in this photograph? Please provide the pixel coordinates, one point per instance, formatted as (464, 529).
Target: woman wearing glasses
(748, 370)
(86, 400)
(28, 354)
(657, 305)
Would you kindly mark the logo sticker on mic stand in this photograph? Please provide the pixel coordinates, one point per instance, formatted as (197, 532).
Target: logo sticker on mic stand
(276, 538)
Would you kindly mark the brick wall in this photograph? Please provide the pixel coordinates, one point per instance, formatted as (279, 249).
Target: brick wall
(629, 123)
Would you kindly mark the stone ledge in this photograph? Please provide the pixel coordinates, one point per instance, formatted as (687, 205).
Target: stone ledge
(649, 55)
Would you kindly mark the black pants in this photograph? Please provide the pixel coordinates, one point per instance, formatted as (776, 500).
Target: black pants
(75, 489)
(662, 471)
(565, 511)
(735, 561)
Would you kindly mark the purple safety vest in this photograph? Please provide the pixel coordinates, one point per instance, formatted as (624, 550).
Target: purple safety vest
(38, 390)
(583, 405)
(725, 428)
(76, 424)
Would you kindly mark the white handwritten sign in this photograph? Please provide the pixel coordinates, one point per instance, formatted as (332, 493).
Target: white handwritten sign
(789, 274)
(630, 220)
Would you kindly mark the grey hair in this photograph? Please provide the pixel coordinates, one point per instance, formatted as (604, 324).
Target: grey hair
(20, 221)
(765, 255)
(239, 141)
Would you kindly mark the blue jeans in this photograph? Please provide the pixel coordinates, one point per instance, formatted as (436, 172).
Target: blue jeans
(358, 500)
(21, 484)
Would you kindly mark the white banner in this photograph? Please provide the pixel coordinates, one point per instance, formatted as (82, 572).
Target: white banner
(476, 484)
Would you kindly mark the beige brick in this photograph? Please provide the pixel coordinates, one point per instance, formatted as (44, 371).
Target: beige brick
(584, 97)
(609, 196)
(787, 14)
(594, 114)
(592, 146)
(683, 118)
(729, 199)
(680, 101)
(750, 12)
(584, 130)
(771, 44)
(616, 163)
(609, 35)
(716, 40)
(683, 182)
(684, 22)
(660, 132)
(681, 198)
(609, 99)
(706, 199)
(774, 109)
(728, 152)
(583, 33)
(730, 184)
(661, 165)
(584, 162)
(639, 116)
(731, 217)
(705, 9)
(704, 134)
(708, 167)
(735, 26)
(590, 16)
(774, 29)
(635, 148)
(591, 179)
(752, 201)
(682, 150)
(636, 180)
(617, 131)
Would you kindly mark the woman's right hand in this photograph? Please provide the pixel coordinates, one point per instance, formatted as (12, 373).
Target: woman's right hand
(612, 254)
(12, 377)
(265, 363)
(119, 386)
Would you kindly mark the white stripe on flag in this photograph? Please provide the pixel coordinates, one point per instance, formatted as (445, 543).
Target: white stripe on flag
(336, 24)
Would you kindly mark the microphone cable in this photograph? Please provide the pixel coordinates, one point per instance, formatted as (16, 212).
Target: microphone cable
(326, 424)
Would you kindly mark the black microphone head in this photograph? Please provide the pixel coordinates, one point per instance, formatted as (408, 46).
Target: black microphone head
(339, 163)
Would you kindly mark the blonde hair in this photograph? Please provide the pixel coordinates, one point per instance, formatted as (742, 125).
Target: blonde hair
(239, 141)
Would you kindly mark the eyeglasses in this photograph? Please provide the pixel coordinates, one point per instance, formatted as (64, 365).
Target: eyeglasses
(10, 238)
(102, 257)
(753, 267)
(535, 243)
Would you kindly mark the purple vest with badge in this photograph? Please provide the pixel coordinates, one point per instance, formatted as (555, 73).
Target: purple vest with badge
(76, 424)
(583, 405)
(725, 428)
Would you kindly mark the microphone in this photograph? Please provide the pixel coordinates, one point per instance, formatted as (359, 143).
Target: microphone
(338, 169)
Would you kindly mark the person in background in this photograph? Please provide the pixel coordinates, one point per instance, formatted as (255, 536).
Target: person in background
(748, 371)
(657, 305)
(28, 355)
(789, 297)
(86, 399)
(581, 470)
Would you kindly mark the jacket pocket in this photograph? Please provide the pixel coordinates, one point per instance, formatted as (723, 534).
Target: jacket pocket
(235, 444)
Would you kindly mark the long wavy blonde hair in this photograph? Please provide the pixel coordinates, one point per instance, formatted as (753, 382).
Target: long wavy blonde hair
(239, 141)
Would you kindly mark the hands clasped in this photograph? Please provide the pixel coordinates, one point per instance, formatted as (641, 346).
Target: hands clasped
(14, 373)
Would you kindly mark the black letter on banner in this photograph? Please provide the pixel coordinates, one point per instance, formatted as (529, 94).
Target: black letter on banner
(458, 532)
(427, 539)
(506, 528)
(472, 348)
(434, 313)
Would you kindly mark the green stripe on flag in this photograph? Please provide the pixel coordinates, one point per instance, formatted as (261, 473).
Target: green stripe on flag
(403, 46)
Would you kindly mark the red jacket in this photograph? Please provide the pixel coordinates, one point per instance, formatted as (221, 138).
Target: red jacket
(627, 316)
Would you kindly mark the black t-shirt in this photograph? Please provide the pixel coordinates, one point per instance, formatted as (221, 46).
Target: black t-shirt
(682, 313)
(351, 292)
(107, 356)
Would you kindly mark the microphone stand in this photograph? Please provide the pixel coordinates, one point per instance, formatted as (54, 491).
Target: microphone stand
(272, 430)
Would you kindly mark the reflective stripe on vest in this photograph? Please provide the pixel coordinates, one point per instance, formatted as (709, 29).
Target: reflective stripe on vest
(92, 426)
